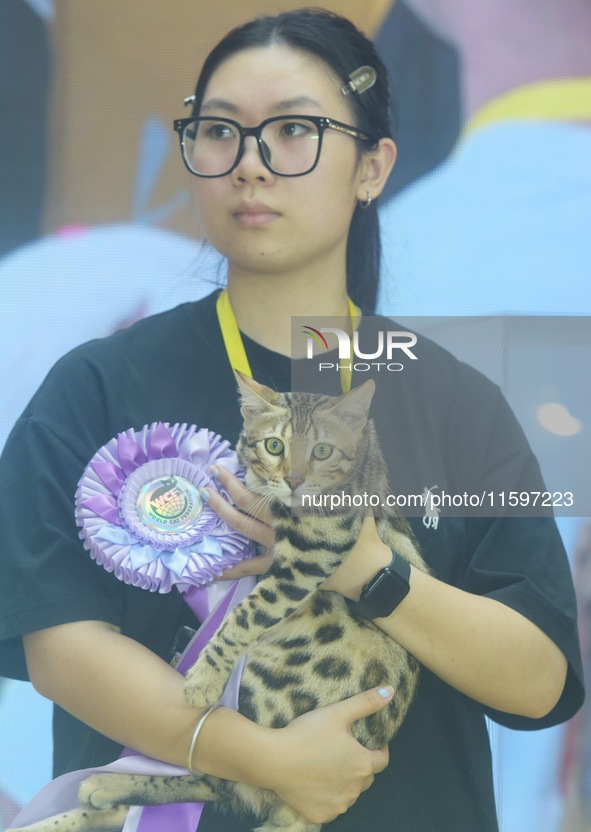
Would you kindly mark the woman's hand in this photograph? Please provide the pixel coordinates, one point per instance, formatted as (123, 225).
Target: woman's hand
(249, 516)
(322, 769)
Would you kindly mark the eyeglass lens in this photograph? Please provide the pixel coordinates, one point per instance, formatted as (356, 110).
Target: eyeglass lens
(290, 146)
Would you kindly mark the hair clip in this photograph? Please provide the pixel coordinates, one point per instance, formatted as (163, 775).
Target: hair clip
(361, 80)
(189, 100)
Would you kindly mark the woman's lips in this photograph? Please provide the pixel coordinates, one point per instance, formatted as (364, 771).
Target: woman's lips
(254, 214)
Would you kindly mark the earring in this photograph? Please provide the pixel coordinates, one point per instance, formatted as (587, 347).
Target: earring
(366, 204)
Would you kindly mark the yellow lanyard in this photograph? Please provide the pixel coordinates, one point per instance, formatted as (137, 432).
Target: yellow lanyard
(235, 347)
(566, 99)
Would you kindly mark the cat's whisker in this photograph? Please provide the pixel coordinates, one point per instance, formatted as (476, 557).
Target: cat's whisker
(249, 529)
(252, 519)
(358, 470)
(264, 498)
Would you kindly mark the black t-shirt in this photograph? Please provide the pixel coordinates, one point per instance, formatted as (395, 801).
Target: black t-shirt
(442, 426)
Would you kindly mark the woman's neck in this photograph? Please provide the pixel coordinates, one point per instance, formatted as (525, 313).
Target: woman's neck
(265, 304)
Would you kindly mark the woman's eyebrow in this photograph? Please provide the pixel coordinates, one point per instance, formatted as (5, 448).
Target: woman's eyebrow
(298, 101)
(220, 104)
(280, 106)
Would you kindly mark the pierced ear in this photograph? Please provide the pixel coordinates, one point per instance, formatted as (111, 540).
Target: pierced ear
(352, 408)
(255, 398)
(377, 166)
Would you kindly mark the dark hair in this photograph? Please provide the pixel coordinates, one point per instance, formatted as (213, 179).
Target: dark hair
(340, 45)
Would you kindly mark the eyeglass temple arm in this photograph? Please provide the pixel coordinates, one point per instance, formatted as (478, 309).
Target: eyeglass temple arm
(342, 128)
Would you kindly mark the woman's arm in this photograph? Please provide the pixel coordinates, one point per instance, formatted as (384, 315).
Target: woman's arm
(478, 645)
(113, 684)
(126, 692)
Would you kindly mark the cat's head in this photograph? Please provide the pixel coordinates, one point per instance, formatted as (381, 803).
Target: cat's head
(296, 444)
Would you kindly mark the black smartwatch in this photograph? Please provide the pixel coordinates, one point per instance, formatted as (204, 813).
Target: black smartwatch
(380, 596)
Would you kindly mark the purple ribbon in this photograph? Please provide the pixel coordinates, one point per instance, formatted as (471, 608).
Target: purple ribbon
(141, 554)
(115, 512)
(62, 793)
(185, 817)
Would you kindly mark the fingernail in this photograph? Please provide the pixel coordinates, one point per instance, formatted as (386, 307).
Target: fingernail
(204, 494)
(386, 692)
(214, 471)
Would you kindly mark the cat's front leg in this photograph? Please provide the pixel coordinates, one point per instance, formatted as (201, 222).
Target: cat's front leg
(206, 680)
(103, 791)
(204, 685)
(276, 596)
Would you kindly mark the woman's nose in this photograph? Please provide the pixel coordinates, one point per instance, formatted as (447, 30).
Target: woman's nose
(251, 166)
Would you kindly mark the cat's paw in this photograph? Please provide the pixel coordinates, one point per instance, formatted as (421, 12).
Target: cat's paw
(204, 685)
(104, 791)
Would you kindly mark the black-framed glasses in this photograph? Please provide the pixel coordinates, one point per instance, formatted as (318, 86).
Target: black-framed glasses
(288, 145)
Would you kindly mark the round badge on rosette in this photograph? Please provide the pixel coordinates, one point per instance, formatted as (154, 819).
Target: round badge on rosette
(141, 515)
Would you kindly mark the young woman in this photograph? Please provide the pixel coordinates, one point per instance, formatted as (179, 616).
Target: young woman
(494, 626)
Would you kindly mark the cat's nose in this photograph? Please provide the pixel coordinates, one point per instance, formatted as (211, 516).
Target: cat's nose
(293, 482)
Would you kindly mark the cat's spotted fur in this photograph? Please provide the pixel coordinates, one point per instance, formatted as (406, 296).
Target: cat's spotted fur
(304, 647)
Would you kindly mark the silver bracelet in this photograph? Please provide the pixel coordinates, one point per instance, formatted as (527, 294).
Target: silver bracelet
(196, 733)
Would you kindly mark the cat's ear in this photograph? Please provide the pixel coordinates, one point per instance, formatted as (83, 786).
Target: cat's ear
(352, 408)
(255, 398)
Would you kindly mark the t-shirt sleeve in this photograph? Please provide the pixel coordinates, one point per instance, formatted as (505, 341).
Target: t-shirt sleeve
(517, 557)
(133, 378)
(521, 562)
(47, 576)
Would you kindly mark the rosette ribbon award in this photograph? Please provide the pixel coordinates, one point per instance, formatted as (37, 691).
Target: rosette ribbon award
(141, 517)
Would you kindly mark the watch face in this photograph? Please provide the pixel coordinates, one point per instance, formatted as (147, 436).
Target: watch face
(386, 592)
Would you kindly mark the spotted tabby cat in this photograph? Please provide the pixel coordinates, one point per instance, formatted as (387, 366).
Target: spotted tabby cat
(305, 648)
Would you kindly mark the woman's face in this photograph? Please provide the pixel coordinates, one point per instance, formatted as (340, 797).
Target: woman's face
(266, 223)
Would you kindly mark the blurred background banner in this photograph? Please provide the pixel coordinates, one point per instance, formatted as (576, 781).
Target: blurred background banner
(89, 91)
(487, 213)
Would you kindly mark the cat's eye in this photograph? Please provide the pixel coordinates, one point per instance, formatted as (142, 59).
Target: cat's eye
(274, 445)
(322, 450)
